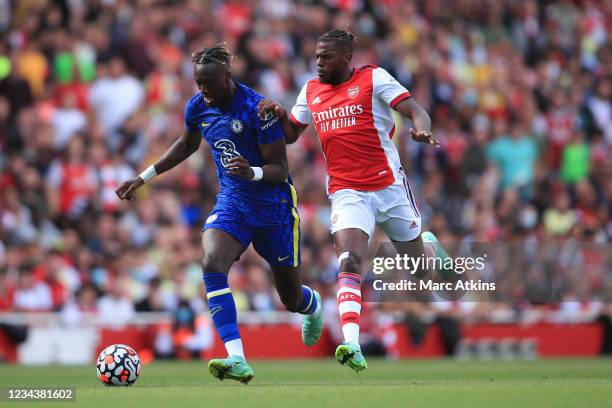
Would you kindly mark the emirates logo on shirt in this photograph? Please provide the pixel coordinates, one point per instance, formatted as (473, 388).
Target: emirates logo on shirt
(334, 113)
(352, 92)
(337, 118)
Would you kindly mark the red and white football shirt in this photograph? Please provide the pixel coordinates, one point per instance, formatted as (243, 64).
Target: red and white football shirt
(355, 127)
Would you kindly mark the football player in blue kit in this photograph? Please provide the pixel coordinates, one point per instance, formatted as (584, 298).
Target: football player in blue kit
(257, 202)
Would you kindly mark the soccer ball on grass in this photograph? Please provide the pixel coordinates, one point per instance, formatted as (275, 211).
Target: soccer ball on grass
(118, 364)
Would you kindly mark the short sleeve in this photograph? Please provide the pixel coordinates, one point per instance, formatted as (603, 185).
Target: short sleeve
(268, 129)
(387, 88)
(300, 114)
(189, 123)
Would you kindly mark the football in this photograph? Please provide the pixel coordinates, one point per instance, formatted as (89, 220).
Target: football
(118, 365)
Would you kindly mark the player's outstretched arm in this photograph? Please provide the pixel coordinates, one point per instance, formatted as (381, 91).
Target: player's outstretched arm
(421, 120)
(275, 169)
(291, 130)
(184, 147)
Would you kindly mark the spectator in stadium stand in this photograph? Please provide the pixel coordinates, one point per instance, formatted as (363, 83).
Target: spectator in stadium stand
(16, 89)
(153, 301)
(115, 308)
(67, 120)
(515, 156)
(32, 295)
(114, 97)
(71, 182)
(83, 301)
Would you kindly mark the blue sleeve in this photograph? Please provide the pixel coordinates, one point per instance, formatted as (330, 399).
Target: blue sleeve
(268, 129)
(189, 124)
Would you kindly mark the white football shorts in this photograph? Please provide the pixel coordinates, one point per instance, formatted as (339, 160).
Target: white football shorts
(393, 209)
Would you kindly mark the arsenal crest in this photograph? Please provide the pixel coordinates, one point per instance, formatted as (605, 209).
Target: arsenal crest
(352, 92)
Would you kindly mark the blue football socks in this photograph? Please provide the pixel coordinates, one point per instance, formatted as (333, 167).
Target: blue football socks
(309, 301)
(222, 310)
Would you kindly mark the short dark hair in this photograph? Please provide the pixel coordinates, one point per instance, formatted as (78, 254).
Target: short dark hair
(218, 54)
(344, 38)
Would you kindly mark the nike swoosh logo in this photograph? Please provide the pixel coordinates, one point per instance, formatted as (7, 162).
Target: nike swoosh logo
(205, 124)
(282, 259)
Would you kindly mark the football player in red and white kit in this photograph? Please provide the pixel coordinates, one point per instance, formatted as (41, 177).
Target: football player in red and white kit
(351, 111)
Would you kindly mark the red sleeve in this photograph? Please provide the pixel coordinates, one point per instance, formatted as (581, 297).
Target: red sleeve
(399, 98)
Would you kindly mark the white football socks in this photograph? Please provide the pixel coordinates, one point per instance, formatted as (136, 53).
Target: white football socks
(234, 348)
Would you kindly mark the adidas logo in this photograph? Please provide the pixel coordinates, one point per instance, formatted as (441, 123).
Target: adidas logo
(316, 100)
(413, 225)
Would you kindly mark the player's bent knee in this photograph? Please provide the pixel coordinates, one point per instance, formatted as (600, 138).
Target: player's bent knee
(216, 263)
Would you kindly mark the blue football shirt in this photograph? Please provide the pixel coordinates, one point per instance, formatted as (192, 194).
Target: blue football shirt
(238, 131)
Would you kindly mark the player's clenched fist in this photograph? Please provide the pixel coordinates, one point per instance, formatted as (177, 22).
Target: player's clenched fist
(127, 189)
(267, 106)
(239, 166)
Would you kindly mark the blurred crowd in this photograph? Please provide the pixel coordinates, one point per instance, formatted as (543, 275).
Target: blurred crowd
(91, 92)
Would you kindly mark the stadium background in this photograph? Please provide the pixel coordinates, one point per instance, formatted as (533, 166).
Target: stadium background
(520, 95)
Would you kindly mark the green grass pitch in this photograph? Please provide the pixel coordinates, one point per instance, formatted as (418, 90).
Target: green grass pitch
(324, 383)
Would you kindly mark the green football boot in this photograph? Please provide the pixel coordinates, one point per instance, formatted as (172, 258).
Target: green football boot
(440, 253)
(233, 367)
(350, 353)
(313, 324)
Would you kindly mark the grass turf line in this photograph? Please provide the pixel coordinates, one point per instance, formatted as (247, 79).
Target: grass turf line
(301, 383)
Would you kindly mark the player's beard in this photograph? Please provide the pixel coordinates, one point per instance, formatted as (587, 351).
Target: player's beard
(324, 77)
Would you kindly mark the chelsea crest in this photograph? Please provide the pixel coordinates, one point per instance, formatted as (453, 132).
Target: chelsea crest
(236, 126)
